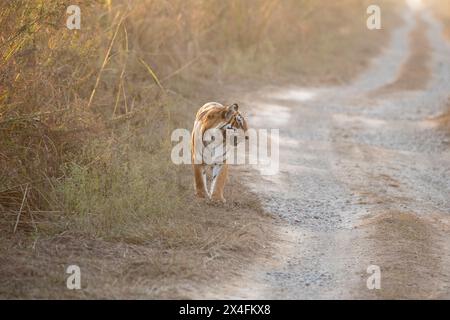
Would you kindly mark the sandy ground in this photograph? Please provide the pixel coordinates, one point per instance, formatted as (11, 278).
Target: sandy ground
(364, 179)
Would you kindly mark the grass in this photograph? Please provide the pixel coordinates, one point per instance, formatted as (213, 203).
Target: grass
(85, 123)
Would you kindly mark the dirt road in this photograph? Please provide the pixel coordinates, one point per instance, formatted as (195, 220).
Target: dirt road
(364, 178)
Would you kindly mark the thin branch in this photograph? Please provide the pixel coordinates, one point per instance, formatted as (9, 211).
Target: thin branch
(32, 218)
(152, 73)
(105, 61)
(187, 65)
(20, 210)
(122, 74)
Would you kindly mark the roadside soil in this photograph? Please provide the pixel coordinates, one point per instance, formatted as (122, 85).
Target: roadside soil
(223, 240)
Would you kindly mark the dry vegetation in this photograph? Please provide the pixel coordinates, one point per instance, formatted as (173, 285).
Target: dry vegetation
(86, 176)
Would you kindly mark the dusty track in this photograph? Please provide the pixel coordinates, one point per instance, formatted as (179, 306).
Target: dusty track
(364, 178)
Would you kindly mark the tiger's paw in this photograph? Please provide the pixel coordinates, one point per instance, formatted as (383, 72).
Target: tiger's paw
(201, 195)
(217, 198)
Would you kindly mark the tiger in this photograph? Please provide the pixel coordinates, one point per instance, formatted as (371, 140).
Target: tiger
(213, 115)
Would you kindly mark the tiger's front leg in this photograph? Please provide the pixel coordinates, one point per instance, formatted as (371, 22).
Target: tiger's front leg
(200, 181)
(219, 178)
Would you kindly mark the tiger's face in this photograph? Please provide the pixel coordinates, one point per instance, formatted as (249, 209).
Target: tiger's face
(234, 122)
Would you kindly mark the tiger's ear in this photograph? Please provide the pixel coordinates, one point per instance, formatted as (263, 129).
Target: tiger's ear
(234, 107)
(228, 113)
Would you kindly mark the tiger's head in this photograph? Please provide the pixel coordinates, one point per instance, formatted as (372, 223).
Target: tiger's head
(233, 120)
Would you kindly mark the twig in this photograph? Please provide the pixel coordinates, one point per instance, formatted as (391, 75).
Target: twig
(183, 67)
(125, 99)
(33, 115)
(152, 73)
(20, 210)
(105, 61)
(181, 96)
(122, 73)
(32, 218)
